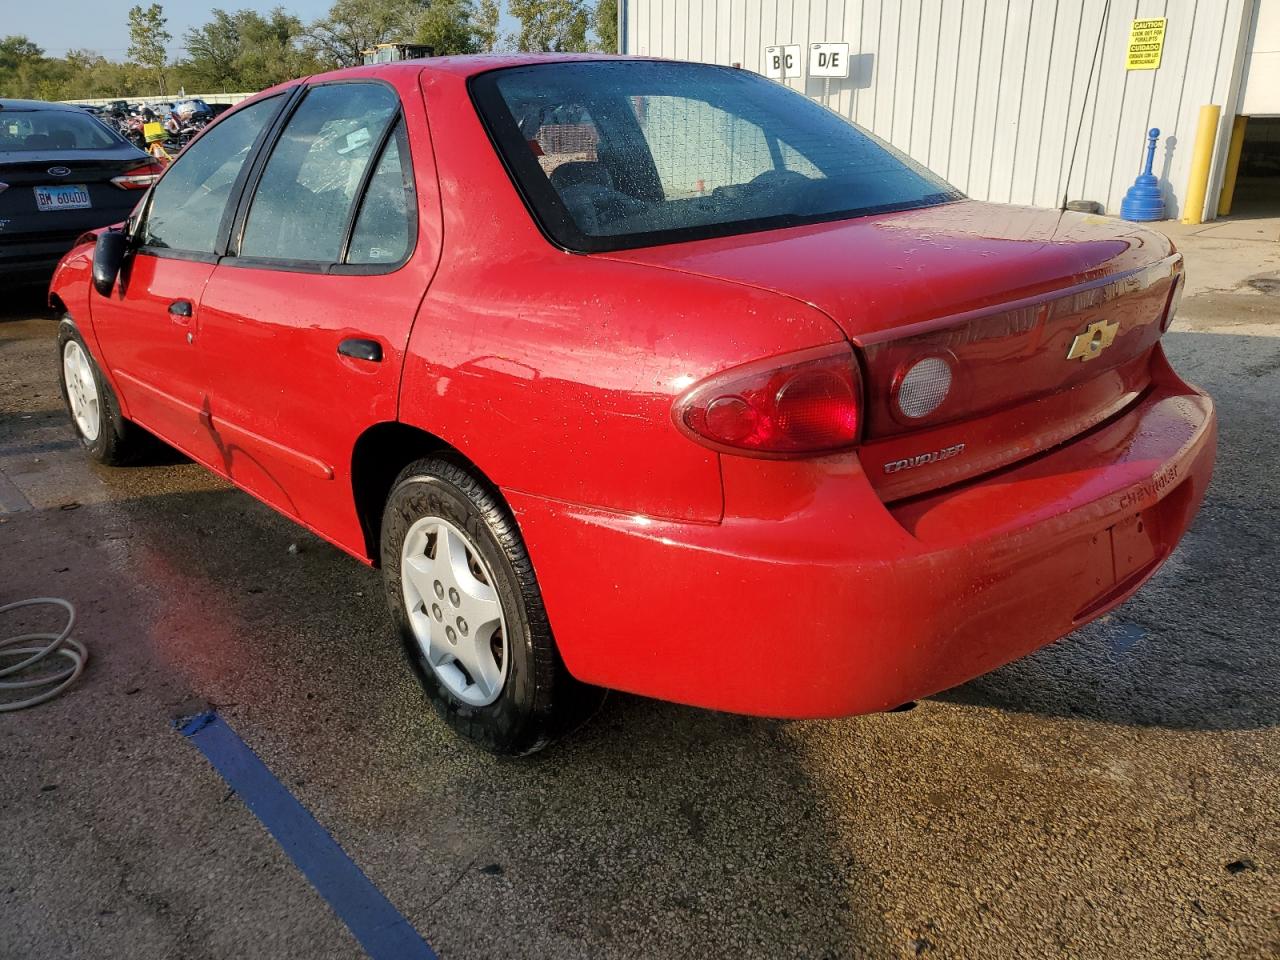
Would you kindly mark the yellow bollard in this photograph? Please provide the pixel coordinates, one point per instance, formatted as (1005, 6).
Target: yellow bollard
(1233, 166)
(1201, 158)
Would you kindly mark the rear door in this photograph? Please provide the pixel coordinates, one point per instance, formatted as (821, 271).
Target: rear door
(149, 328)
(305, 323)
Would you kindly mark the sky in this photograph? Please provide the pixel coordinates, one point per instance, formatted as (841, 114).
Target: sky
(103, 25)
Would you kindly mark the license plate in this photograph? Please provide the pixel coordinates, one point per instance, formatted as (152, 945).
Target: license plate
(70, 196)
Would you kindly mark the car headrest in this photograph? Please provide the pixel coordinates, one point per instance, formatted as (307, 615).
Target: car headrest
(577, 173)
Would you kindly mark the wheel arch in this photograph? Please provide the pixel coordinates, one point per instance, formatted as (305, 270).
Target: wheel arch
(377, 458)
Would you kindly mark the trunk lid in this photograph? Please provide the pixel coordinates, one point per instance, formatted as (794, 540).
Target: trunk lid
(1011, 298)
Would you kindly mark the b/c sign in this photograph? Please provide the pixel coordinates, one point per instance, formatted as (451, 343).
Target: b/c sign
(828, 60)
(782, 63)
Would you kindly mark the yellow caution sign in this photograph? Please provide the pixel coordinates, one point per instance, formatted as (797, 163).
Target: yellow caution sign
(1146, 43)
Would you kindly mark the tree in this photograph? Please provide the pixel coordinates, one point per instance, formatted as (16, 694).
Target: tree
(247, 51)
(213, 50)
(606, 26)
(354, 26)
(21, 62)
(148, 40)
(446, 28)
(273, 50)
(486, 21)
(93, 75)
(26, 72)
(15, 51)
(552, 25)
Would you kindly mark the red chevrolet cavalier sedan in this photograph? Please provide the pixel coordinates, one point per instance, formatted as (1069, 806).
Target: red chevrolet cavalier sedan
(646, 375)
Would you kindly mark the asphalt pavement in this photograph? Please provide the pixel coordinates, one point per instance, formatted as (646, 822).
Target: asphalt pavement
(1115, 795)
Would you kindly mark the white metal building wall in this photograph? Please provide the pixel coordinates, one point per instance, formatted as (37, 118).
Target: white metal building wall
(990, 93)
(1261, 94)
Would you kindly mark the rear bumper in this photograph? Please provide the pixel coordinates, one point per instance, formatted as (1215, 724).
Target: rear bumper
(34, 258)
(33, 254)
(814, 599)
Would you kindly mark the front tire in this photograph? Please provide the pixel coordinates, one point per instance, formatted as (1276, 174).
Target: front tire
(95, 415)
(466, 604)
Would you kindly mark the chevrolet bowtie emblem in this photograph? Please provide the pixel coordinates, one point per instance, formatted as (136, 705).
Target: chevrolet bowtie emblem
(1096, 337)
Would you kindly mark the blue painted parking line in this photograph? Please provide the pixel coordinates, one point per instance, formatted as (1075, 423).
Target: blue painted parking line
(381, 929)
(11, 498)
(1122, 636)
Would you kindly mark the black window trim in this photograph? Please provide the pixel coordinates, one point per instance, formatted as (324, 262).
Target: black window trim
(286, 96)
(232, 258)
(253, 172)
(362, 191)
(552, 217)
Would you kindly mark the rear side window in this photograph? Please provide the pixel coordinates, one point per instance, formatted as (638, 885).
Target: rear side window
(613, 154)
(304, 200)
(43, 131)
(188, 203)
(382, 232)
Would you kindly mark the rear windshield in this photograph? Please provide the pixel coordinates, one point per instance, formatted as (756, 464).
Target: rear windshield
(615, 154)
(36, 131)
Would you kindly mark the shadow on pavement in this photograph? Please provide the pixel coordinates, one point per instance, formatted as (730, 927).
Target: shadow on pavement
(655, 829)
(24, 302)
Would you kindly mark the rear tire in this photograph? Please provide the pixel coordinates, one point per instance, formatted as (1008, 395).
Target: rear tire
(466, 604)
(91, 404)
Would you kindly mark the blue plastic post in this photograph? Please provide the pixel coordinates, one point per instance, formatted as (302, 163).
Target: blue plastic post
(1152, 136)
(1144, 201)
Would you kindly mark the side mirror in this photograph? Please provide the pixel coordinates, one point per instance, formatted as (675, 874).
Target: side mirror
(108, 257)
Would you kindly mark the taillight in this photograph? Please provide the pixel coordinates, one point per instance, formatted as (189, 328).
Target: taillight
(139, 178)
(793, 405)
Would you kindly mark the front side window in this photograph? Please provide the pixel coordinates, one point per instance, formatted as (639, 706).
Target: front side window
(304, 200)
(188, 203)
(622, 154)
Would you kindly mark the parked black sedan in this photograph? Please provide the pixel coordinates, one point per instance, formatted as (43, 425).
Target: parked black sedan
(62, 172)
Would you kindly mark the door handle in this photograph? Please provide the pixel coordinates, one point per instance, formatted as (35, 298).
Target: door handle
(361, 349)
(180, 311)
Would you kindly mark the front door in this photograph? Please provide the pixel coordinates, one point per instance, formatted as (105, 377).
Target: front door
(146, 330)
(149, 327)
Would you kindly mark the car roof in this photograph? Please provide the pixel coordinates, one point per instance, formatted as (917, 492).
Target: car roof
(471, 64)
(466, 65)
(460, 67)
(8, 104)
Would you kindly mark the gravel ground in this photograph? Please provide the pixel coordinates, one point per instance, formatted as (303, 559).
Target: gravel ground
(1116, 794)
